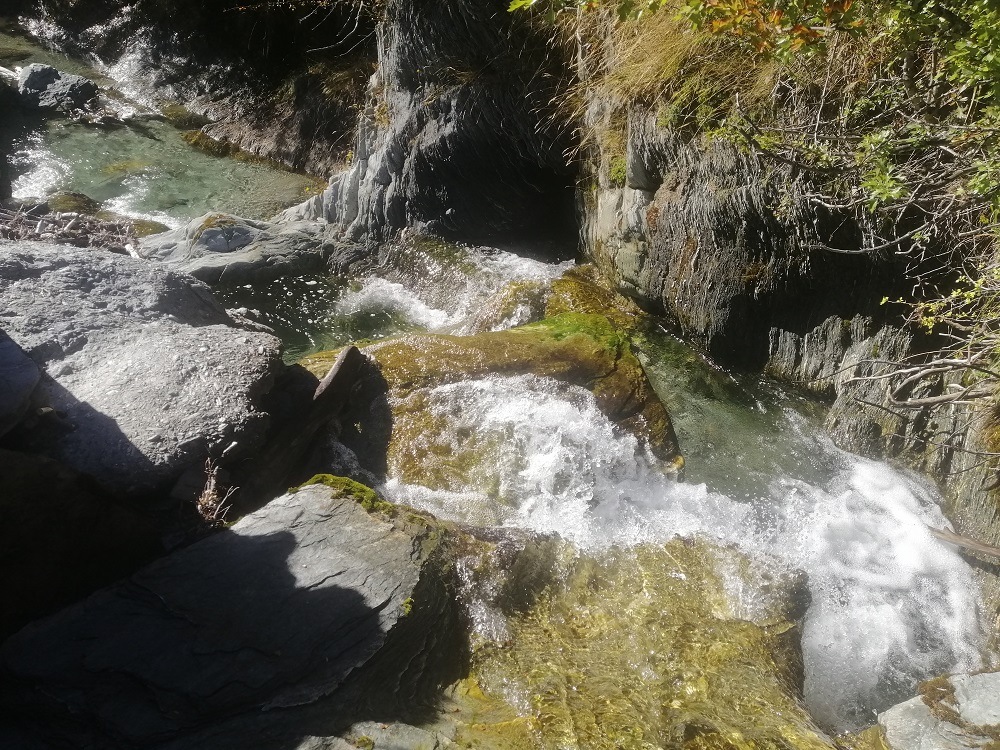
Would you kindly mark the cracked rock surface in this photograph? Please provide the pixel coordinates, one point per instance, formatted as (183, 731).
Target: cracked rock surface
(144, 369)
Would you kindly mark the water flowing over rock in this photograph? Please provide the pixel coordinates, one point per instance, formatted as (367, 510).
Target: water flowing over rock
(45, 88)
(571, 349)
(143, 369)
(296, 601)
(222, 248)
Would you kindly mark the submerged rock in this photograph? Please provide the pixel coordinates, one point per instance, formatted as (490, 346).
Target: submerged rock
(649, 647)
(217, 644)
(143, 368)
(44, 87)
(220, 247)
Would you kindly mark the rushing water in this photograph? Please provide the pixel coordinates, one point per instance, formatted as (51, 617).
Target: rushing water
(890, 603)
(141, 167)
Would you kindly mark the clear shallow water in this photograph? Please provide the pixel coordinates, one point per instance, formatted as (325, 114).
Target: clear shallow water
(143, 169)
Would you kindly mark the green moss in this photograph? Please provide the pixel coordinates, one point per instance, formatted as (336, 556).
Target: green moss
(407, 606)
(580, 290)
(364, 742)
(365, 496)
(596, 328)
(73, 203)
(617, 170)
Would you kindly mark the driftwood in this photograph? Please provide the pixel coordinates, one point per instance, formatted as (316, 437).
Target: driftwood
(68, 229)
(280, 456)
(963, 541)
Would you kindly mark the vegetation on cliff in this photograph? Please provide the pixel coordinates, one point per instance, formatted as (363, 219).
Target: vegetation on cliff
(888, 112)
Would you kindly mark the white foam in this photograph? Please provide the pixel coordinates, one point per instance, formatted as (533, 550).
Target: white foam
(890, 603)
(378, 295)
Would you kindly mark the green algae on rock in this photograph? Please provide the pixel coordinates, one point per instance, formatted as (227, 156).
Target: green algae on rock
(365, 496)
(578, 349)
(643, 649)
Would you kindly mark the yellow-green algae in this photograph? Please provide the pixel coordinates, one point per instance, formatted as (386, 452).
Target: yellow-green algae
(581, 290)
(581, 349)
(365, 496)
(638, 649)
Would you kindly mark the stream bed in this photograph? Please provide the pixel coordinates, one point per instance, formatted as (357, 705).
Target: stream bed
(890, 604)
(140, 167)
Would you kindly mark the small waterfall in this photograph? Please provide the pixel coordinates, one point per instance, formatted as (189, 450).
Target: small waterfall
(891, 605)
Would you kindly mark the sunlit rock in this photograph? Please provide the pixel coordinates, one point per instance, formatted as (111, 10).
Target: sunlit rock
(570, 350)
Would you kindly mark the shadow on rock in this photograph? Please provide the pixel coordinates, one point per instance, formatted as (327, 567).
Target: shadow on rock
(231, 642)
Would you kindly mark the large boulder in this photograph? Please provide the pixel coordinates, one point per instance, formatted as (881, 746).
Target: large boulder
(43, 87)
(220, 248)
(144, 370)
(296, 601)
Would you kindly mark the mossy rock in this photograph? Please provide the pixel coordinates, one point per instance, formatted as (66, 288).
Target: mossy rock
(183, 118)
(199, 140)
(77, 203)
(518, 303)
(578, 349)
(581, 290)
(365, 496)
(638, 649)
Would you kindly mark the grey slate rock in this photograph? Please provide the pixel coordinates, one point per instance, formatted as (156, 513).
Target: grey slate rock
(44, 87)
(143, 365)
(18, 378)
(275, 612)
(219, 248)
(975, 703)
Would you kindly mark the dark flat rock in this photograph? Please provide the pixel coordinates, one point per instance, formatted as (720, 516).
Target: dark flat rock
(275, 612)
(18, 377)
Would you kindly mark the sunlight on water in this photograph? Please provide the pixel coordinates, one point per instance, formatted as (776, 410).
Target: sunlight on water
(890, 604)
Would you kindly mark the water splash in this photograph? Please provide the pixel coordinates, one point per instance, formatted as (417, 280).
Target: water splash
(890, 603)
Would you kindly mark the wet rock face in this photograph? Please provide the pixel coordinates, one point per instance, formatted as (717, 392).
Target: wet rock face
(241, 632)
(726, 245)
(144, 370)
(45, 88)
(456, 139)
